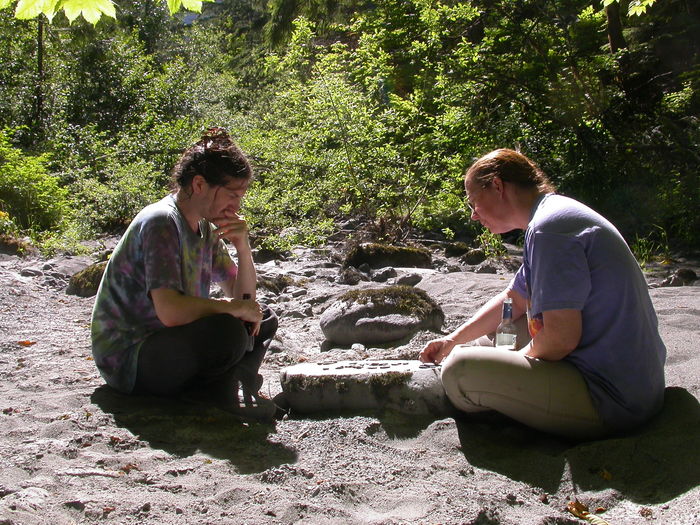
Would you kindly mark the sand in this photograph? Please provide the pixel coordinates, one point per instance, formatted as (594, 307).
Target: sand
(74, 451)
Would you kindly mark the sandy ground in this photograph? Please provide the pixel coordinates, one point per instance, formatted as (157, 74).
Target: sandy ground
(74, 451)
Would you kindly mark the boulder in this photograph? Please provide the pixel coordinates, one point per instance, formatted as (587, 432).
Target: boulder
(380, 315)
(474, 256)
(409, 387)
(456, 249)
(382, 255)
(86, 282)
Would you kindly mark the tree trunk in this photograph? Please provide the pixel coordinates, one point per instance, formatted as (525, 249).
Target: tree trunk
(614, 28)
(39, 92)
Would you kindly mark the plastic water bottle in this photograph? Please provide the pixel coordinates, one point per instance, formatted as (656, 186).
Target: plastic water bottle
(506, 333)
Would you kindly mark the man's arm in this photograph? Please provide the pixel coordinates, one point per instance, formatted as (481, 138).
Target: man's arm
(175, 309)
(559, 336)
(235, 230)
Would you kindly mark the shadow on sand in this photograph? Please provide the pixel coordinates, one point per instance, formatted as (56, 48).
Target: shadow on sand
(182, 429)
(655, 464)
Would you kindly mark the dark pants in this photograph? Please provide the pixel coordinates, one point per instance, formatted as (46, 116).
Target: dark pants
(210, 350)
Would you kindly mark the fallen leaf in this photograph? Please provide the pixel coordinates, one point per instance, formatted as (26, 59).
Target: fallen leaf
(26, 343)
(128, 468)
(578, 509)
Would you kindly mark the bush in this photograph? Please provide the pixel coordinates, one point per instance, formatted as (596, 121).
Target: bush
(28, 193)
(112, 204)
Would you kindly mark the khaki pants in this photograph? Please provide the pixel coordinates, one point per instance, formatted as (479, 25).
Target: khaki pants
(550, 396)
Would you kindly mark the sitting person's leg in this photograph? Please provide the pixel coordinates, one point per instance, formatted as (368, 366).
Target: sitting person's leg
(175, 358)
(549, 396)
(246, 370)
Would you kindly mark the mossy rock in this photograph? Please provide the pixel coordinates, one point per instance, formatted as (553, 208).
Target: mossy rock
(13, 246)
(382, 255)
(475, 256)
(276, 284)
(456, 249)
(86, 282)
(380, 315)
(403, 299)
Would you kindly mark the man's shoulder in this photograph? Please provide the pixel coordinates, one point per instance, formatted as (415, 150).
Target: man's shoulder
(160, 212)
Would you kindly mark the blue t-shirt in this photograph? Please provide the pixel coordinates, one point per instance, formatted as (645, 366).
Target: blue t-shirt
(158, 250)
(576, 259)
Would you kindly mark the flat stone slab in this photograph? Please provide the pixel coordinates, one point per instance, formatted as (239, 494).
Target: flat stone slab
(407, 386)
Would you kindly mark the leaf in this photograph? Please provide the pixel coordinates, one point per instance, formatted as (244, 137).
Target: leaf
(5, 3)
(26, 343)
(91, 10)
(192, 5)
(174, 6)
(27, 9)
(578, 509)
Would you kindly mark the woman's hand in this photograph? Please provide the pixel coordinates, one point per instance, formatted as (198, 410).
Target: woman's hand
(436, 350)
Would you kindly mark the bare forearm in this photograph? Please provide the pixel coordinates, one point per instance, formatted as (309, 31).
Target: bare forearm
(246, 279)
(175, 309)
(483, 322)
(184, 309)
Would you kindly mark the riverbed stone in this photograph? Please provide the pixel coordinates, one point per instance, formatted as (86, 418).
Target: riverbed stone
(406, 386)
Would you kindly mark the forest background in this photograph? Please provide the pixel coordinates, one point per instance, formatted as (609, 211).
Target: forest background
(352, 109)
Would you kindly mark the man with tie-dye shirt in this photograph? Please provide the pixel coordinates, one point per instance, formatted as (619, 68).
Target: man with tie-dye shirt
(155, 329)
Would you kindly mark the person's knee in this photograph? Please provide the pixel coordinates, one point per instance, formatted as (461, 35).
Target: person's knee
(468, 366)
(226, 327)
(269, 324)
(225, 342)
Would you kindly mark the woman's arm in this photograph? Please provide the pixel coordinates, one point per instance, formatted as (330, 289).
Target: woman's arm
(483, 322)
(559, 336)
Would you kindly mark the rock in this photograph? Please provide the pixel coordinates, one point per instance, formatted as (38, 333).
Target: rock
(687, 275)
(381, 255)
(681, 277)
(486, 267)
(474, 256)
(456, 249)
(380, 315)
(408, 386)
(351, 276)
(411, 279)
(384, 274)
(13, 246)
(86, 282)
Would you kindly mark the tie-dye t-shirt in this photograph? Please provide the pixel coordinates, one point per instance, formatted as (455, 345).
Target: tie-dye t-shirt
(574, 258)
(158, 250)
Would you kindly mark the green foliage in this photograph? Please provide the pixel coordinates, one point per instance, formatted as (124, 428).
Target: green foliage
(28, 193)
(651, 247)
(491, 244)
(90, 10)
(110, 205)
(7, 225)
(365, 110)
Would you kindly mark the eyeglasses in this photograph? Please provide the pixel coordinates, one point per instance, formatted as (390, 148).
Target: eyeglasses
(471, 205)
